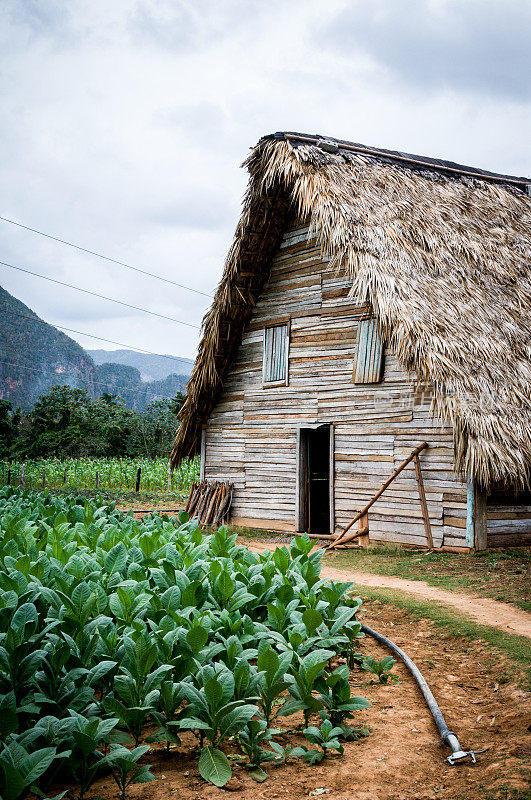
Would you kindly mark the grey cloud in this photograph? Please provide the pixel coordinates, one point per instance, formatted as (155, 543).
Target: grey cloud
(182, 27)
(202, 123)
(472, 45)
(32, 21)
(197, 210)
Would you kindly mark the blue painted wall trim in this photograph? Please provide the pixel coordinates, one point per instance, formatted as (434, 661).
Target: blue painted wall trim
(470, 512)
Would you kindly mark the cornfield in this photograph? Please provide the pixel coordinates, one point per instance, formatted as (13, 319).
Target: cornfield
(112, 474)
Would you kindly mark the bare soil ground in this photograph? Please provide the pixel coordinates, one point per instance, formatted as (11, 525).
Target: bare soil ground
(402, 758)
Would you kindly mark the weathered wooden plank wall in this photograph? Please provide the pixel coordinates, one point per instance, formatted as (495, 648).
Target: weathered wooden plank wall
(251, 437)
(508, 524)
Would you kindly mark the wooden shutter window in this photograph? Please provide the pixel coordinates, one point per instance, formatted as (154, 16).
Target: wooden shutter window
(275, 368)
(369, 355)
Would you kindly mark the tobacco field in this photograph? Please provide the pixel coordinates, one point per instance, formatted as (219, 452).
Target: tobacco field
(116, 633)
(114, 474)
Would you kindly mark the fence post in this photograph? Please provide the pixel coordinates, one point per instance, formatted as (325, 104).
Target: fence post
(43, 478)
(137, 486)
(23, 476)
(64, 476)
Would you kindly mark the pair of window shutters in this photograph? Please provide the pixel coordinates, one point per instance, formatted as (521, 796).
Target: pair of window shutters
(369, 356)
(275, 369)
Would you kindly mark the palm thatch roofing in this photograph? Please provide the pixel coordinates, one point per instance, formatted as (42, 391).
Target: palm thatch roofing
(442, 252)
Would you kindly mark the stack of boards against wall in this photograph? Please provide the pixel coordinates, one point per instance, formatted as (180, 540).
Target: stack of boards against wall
(251, 436)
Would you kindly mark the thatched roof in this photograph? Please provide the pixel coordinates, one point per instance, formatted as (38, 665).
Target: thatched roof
(441, 252)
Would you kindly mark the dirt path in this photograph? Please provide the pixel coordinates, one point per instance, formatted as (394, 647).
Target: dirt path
(482, 610)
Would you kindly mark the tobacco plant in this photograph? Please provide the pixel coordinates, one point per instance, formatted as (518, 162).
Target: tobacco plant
(334, 691)
(382, 669)
(123, 764)
(212, 712)
(109, 624)
(326, 736)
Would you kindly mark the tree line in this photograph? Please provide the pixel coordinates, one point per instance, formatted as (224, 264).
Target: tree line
(66, 423)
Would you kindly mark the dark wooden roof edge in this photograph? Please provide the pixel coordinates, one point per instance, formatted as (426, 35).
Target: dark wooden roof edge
(395, 156)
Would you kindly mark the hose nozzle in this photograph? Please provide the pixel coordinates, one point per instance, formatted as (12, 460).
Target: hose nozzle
(457, 754)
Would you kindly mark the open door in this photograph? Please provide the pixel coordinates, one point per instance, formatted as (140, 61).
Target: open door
(314, 483)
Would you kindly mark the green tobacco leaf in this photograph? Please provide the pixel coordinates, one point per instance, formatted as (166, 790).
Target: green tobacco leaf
(197, 638)
(26, 613)
(214, 766)
(258, 774)
(312, 619)
(11, 780)
(116, 559)
(268, 661)
(281, 559)
(8, 722)
(34, 765)
(225, 585)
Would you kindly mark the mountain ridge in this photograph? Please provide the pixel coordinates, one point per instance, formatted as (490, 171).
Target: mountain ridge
(152, 367)
(34, 356)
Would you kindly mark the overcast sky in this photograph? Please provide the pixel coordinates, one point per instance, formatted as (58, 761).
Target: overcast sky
(124, 125)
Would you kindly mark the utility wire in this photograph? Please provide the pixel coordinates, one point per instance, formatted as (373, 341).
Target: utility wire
(106, 258)
(95, 294)
(90, 335)
(94, 382)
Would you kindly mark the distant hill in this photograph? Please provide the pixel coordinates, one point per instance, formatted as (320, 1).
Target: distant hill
(34, 356)
(126, 382)
(151, 367)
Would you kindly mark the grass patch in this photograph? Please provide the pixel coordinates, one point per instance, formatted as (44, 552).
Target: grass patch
(142, 499)
(456, 624)
(498, 574)
(259, 534)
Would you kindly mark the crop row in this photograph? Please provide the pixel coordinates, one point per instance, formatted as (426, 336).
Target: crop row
(114, 474)
(112, 629)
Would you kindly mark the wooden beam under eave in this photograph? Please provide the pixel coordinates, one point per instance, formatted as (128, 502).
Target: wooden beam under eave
(476, 516)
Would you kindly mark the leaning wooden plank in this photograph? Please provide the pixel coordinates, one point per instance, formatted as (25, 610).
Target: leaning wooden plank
(423, 504)
(343, 539)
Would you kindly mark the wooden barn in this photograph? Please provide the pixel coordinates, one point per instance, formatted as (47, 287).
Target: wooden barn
(371, 301)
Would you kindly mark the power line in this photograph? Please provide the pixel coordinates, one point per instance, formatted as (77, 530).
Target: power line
(105, 258)
(94, 382)
(95, 294)
(90, 335)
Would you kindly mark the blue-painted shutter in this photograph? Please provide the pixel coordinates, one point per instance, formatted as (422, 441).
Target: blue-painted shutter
(369, 355)
(275, 354)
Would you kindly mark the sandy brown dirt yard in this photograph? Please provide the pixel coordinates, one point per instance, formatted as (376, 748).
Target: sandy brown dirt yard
(402, 759)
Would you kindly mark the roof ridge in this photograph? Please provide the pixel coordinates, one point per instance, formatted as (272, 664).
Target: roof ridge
(426, 162)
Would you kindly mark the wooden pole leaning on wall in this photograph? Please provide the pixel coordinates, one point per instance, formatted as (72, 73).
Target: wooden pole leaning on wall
(343, 538)
(423, 504)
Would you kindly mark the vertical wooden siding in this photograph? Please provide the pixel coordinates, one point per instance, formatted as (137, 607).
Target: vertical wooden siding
(251, 437)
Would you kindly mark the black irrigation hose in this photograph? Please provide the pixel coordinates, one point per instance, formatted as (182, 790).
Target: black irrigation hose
(448, 737)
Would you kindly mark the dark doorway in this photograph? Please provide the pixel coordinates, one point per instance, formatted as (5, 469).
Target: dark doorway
(315, 479)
